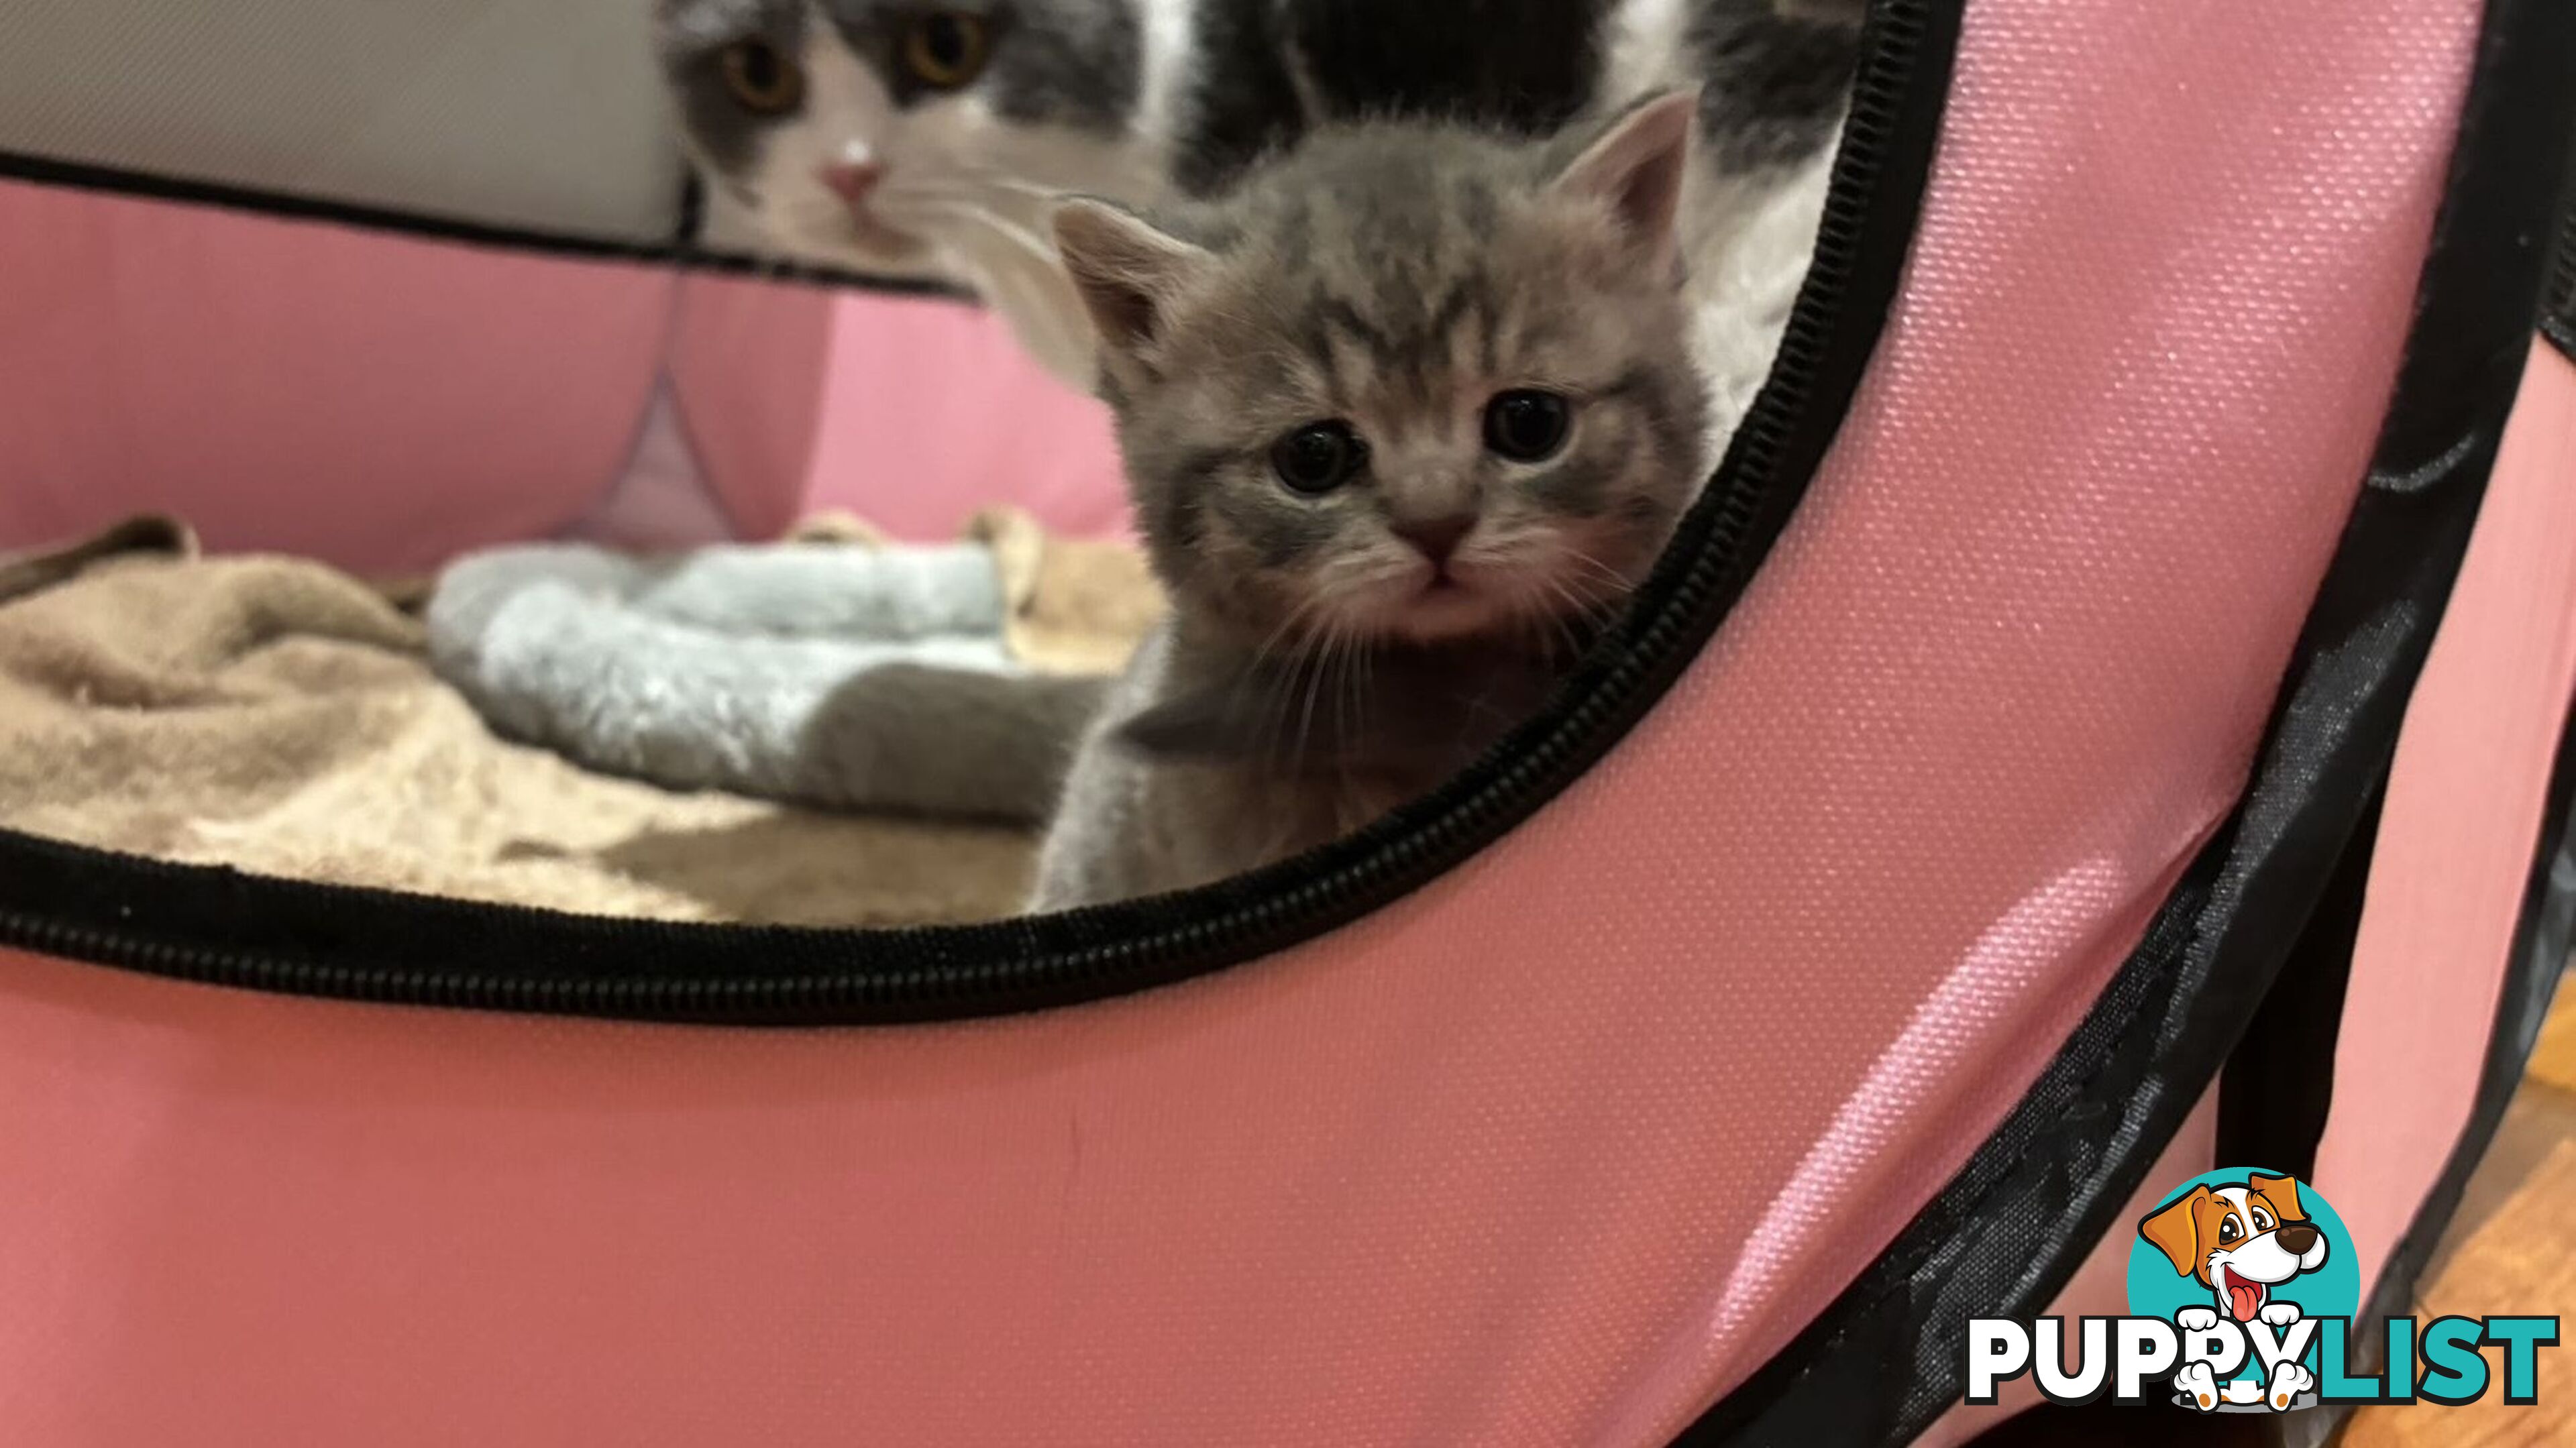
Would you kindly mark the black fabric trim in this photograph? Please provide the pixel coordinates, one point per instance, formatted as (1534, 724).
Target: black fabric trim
(682, 252)
(1885, 1358)
(693, 212)
(2273, 1102)
(221, 926)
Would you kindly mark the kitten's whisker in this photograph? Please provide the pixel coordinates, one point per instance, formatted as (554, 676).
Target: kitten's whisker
(1336, 681)
(1273, 732)
(1296, 616)
(1345, 702)
(1562, 620)
(1314, 688)
(1530, 625)
(1617, 583)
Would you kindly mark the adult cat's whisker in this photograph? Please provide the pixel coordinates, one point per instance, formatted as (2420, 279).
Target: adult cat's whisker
(1002, 181)
(1019, 237)
(1024, 237)
(894, 196)
(1032, 284)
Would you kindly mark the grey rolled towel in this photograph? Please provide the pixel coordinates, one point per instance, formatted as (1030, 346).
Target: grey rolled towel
(793, 590)
(854, 678)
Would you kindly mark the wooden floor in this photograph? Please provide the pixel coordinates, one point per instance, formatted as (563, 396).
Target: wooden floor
(2513, 1246)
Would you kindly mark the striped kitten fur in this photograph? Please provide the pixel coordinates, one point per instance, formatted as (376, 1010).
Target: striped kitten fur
(1406, 416)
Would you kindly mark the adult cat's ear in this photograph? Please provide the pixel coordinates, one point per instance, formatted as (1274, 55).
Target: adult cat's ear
(1126, 273)
(1638, 164)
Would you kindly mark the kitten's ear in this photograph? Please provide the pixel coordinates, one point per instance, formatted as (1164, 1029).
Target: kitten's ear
(1638, 165)
(1125, 271)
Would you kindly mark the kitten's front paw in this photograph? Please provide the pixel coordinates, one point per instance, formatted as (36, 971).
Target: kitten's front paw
(2279, 1314)
(2198, 1385)
(2288, 1381)
(2196, 1319)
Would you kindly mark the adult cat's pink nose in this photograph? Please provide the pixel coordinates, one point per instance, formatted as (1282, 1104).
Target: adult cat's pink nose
(853, 180)
(1437, 538)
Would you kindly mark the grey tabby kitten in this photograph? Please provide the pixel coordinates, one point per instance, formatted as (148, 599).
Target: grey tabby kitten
(928, 137)
(1406, 418)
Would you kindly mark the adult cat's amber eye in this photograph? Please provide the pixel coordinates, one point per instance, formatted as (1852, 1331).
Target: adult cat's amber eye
(764, 81)
(945, 50)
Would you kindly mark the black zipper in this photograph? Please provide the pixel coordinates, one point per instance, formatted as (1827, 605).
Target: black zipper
(2558, 298)
(2561, 299)
(223, 927)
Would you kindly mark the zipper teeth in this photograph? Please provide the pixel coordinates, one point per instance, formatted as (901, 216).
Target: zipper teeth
(1894, 36)
(2560, 299)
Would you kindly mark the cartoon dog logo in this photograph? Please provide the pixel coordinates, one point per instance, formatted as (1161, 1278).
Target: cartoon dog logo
(2240, 1242)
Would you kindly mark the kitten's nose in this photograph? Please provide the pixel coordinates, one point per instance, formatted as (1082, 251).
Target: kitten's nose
(1437, 538)
(853, 180)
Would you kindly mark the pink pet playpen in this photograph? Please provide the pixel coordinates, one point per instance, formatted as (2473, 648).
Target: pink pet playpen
(2106, 720)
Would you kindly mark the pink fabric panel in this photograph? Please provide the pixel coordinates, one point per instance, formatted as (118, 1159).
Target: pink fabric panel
(932, 412)
(749, 362)
(376, 401)
(1554, 1151)
(2021, 641)
(914, 413)
(2457, 834)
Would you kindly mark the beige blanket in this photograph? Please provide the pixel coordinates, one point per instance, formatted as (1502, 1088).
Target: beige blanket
(278, 716)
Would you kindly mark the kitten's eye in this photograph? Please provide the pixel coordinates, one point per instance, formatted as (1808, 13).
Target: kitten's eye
(765, 82)
(1318, 457)
(945, 50)
(1526, 425)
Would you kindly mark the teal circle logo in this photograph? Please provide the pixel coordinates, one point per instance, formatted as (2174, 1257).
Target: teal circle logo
(2253, 1250)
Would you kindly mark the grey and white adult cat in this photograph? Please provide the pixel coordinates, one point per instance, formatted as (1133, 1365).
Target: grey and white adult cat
(927, 137)
(1406, 416)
